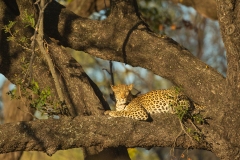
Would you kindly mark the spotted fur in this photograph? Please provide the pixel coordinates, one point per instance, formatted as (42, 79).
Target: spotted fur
(158, 101)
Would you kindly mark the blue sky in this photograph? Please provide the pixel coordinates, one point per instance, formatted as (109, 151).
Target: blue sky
(2, 78)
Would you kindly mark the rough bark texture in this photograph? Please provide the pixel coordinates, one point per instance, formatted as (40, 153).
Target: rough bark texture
(85, 8)
(82, 96)
(124, 37)
(15, 110)
(228, 13)
(52, 135)
(128, 40)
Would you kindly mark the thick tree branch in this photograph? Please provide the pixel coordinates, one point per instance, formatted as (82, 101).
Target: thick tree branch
(125, 37)
(85, 8)
(67, 68)
(228, 13)
(229, 18)
(15, 110)
(122, 37)
(82, 95)
(52, 135)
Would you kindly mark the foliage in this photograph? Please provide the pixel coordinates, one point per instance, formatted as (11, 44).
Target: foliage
(43, 95)
(142, 154)
(186, 113)
(40, 99)
(28, 19)
(14, 35)
(158, 15)
(7, 29)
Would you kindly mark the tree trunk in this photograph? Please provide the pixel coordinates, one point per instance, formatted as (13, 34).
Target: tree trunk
(123, 37)
(14, 111)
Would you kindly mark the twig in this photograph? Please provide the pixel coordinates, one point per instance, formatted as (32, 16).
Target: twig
(44, 48)
(33, 44)
(174, 143)
(104, 69)
(185, 130)
(105, 4)
(111, 72)
(20, 94)
(196, 128)
(79, 8)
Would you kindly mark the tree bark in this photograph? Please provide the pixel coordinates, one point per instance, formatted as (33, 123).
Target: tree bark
(70, 74)
(14, 110)
(127, 39)
(52, 135)
(85, 8)
(123, 37)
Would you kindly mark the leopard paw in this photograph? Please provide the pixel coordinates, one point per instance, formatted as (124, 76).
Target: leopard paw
(107, 112)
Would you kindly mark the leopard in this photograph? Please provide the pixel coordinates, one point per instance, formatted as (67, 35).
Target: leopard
(142, 106)
(123, 95)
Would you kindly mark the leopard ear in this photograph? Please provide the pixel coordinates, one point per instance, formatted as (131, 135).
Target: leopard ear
(130, 87)
(112, 86)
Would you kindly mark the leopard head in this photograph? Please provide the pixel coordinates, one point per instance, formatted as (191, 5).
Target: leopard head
(122, 94)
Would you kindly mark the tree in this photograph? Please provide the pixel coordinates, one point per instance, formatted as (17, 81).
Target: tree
(123, 37)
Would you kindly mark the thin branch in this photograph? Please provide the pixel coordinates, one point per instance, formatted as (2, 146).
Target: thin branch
(44, 49)
(111, 71)
(33, 45)
(184, 130)
(174, 143)
(24, 103)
